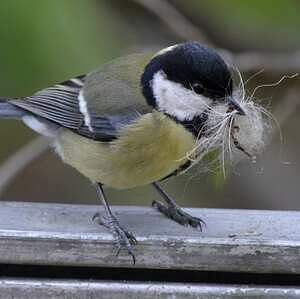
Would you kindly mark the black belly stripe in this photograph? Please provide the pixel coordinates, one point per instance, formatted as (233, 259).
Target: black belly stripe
(197, 127)
(178, 170)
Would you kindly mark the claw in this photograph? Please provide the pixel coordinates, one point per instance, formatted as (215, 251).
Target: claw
(177, 214)
(97, 216)
(100, 219)
(131, 237)
(129, 251)
(124, 239)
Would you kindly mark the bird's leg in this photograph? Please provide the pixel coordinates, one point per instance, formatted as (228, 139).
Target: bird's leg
(175, 212)
(124, 239)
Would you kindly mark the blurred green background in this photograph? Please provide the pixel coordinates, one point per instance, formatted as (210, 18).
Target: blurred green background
(43, 42)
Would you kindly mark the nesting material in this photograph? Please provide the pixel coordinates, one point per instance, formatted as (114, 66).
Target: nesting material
(249, 132)
(232, 135)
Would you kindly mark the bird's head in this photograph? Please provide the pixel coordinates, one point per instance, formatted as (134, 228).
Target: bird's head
(192, 84)
(186, 80)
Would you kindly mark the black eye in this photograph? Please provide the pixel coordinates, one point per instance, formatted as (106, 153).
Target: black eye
(198, 88)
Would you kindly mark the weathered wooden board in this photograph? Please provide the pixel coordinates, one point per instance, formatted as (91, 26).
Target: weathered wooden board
(234, 240)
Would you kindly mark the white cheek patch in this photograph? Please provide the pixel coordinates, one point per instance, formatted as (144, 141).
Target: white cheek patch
(176, 100)
(84, 110)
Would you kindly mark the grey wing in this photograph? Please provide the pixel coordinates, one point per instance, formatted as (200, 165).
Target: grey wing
(115, 90)
(63, 104)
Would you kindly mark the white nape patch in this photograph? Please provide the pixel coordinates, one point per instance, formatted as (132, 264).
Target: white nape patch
(42, 127)
(165, 50)
(84, 110)
(77, 81)
(176, 100)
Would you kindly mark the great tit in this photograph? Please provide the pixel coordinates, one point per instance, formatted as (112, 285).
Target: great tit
(133, 122)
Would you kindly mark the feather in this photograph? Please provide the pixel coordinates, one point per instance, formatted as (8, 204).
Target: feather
(8, 110)
(64, 104)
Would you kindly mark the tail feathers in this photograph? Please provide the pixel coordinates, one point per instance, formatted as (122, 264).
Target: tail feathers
(8, 110)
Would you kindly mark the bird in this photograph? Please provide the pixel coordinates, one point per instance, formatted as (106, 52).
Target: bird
(132, 122)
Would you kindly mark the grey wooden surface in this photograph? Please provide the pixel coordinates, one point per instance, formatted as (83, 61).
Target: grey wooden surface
(234, 240)
(75, 289)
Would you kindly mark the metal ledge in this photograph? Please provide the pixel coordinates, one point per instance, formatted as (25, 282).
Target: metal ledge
(234, 240)
(77, 289)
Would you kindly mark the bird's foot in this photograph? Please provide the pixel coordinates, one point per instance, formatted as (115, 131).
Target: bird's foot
(124, 239)
(177, 214)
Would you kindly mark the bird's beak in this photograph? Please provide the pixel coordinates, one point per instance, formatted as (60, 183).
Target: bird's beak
(236, 106)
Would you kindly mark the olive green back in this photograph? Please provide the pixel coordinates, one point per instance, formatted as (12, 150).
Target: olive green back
(115, 88)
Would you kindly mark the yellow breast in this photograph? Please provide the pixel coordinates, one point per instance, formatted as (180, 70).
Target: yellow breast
(146, 151)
